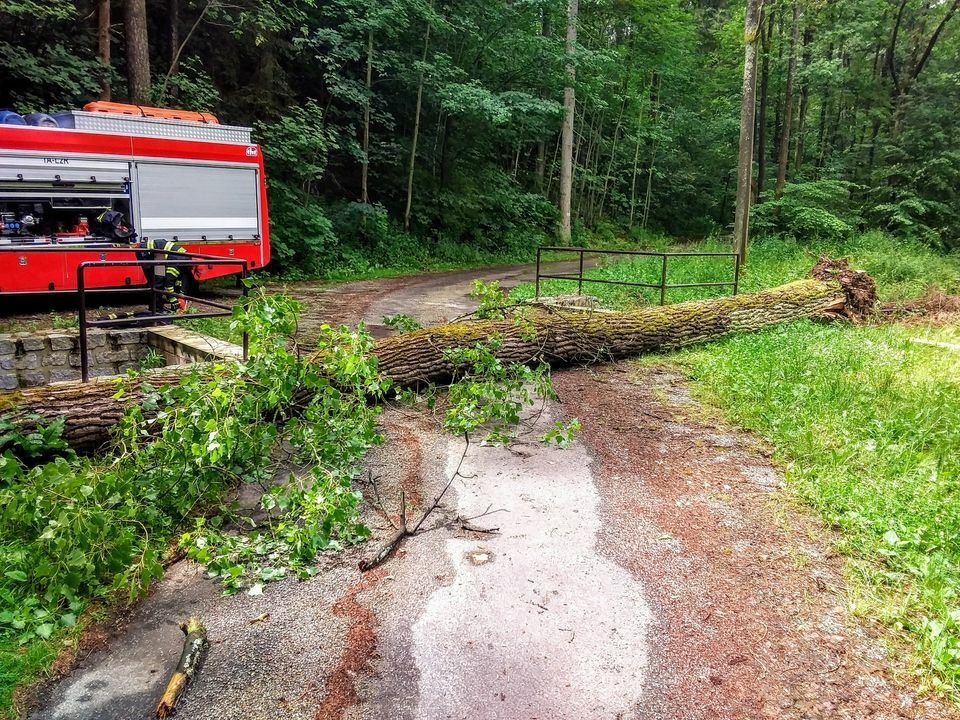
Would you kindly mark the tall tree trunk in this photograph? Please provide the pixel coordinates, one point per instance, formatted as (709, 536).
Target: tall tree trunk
(636, 164)
(266, 65)
(138, 51)
(103, 47)
(766, 32)
(592, 146)
(783, 160)
(416, 131)
(741, 224)
(365, 168)
(778, 103)
(542, 143)
(804, 102)
(578, 136)
(553, 164)
(649, 194)
(173, 17)
(904, 78)
(825, 102)
(613, 154)
(657, 117)
(569, 105)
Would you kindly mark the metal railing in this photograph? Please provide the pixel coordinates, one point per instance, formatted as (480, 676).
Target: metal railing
(172, 258)
(662, 286)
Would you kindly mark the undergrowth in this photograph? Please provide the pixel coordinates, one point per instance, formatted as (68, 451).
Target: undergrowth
(866, 424)
(901, 268)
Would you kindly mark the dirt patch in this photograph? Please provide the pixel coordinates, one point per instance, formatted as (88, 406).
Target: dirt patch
(345, 304)
(934, 307)
(858, 287)
(404, 442)
(358, 652)
(748, 592)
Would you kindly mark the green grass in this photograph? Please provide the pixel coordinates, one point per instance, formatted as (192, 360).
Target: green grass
(902, 269)
(866, 425)
(21, 665)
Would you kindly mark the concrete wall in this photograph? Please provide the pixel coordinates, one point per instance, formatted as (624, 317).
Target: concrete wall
(180, 346)
(31, 359)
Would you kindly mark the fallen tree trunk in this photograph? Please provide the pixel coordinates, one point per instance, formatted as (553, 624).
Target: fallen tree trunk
(560, 337)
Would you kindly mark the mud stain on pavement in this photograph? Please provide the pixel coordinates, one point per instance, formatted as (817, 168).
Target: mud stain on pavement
(747, 592)
(358, 651)
(405, 446)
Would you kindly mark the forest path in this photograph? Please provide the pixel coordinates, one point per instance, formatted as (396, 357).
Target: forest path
(653, 570)
(430, 298)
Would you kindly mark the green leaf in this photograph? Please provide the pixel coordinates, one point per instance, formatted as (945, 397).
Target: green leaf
(45, 630)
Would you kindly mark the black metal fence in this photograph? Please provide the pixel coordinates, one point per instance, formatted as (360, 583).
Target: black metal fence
(662, 286)
(153, 317)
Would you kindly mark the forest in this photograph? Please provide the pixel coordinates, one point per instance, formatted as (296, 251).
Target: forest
(763, 470)
(416, 133)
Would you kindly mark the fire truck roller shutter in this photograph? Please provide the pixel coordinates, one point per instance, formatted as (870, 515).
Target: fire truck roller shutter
(193, 202)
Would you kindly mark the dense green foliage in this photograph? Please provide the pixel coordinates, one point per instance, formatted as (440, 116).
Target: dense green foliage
(867, 426)
(874, 139)
(73, 529)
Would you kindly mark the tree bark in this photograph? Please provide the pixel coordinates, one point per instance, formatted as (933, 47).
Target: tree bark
(767, 34)
(569, 106)
(416, 131)
(191, 658)
(103, 47)
(903, 82)
(561, 337)
(636, 162)
(541, 171)
(173, 13)
(804, 102)
(365, 167)
(595, 132)
(741, 224)
(177, 46)
(613, 155)
(138, 51)
(783, 158)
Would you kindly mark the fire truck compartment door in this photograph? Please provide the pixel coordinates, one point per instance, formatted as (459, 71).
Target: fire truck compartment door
(197, 202)
(31, 170)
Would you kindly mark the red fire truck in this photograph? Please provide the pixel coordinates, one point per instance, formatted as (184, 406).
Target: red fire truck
(176, 176)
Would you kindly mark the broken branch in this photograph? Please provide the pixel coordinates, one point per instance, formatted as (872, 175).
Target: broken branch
(194, 645)
(387, 549)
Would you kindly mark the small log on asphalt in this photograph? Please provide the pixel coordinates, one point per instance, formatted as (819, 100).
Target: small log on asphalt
(560, 337)
(194, 646)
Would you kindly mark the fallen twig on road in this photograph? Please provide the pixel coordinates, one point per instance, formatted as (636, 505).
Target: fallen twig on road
(387, 549)
(191, 658)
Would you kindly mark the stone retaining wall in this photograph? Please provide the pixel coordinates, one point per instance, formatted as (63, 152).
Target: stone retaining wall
(31, 359)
